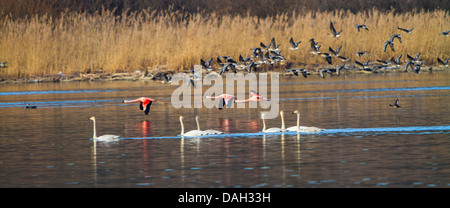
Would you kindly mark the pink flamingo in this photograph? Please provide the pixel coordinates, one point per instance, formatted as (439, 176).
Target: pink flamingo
(225, 99)
(144, 103)
(254, 97)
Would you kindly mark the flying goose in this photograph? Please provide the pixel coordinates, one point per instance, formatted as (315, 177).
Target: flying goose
(294, 45)
(358, 27)
(333, 31)
(444, 63)
(406, 30)
(399, 37)
(390, 43)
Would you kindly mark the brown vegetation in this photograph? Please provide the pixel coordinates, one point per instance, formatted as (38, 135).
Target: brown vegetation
(82, 42)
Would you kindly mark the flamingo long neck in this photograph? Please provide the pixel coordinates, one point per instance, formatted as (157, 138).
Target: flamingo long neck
(198, 125)
(95, 131)
(298, 121)
(282, 121)
(182, 127)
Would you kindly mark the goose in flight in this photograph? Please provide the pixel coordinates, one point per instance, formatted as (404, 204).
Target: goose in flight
(294, 45)
(358, 27)
(390, 43)
(144, 103)
(406, 30)
(399, 38)
(444, 63)
(333, 31)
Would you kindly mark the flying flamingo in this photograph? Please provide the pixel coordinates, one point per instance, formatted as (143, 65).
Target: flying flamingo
(225, 99)
(254, 97)
(144, 103)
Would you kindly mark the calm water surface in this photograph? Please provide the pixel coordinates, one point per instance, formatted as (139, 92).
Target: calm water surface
(365, 144)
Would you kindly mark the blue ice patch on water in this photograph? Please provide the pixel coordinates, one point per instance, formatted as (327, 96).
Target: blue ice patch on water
(344, 131)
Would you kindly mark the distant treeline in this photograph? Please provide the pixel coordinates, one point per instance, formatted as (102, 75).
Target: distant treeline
(260, 8)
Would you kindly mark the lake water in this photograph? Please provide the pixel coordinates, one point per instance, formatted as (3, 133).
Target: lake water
(366, 143)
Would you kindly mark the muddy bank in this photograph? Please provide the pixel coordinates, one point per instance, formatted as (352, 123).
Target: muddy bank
(162, 75)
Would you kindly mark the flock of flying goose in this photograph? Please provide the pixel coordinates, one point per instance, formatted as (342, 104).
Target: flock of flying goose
(271, 54)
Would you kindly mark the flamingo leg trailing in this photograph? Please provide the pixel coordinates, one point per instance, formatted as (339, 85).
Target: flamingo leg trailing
(144, 103)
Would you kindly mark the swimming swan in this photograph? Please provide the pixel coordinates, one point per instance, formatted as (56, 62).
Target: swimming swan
(299, 128)
(192, 133)
(264, 130)
(107, 137)
(209, 131)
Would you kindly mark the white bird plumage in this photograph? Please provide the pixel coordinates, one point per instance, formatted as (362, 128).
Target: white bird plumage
(106, 138)
(192, 133)
(299, 128)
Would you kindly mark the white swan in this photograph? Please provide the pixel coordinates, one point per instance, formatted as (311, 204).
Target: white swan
(193, 133)
(106, 138)
(299, 128)
(209, 131)
(264, 130)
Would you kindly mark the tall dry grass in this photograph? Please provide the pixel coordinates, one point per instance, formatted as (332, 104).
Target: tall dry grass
(81, 42)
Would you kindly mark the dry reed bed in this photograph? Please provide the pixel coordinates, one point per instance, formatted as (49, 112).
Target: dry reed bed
(80, 42)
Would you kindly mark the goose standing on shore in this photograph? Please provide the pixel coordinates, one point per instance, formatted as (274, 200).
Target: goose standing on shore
(105, 138)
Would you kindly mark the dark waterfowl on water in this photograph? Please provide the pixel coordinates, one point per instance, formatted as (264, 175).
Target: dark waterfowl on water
(445, 33)
(399, 38)
(314, 46)
(296, 71)
(396, 104)
(28, 106)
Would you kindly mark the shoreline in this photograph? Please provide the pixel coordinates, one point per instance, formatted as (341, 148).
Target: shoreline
(159, 76)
